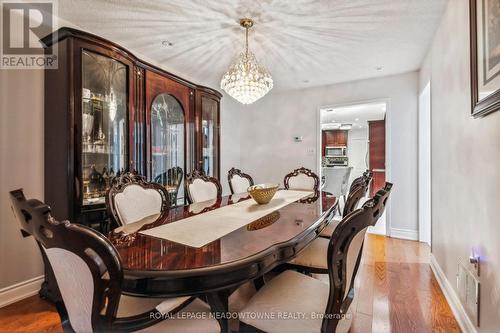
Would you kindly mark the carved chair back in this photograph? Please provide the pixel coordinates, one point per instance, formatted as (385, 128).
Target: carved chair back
(363, 179)
(171, 177)
(381, 197)
(86, 266)
(301, 179)
(368, 178)
(202, 188)
(131, 198)
(354, 197)
(238, 181)
(344, 256)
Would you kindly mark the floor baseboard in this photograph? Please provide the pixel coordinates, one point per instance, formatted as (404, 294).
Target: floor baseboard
(458, 310)
(20, 291)
(404, 234)
(375, 232)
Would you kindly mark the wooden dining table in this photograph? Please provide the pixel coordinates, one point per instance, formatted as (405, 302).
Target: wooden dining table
(157, 267)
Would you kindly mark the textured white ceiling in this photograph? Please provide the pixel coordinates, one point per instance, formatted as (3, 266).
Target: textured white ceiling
(322, 42)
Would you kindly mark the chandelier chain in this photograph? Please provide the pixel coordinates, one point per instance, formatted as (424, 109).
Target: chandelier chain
(246, 41)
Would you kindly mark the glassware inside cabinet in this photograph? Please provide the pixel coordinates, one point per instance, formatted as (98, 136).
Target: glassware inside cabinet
(167, 146)
(104, 124)
(210, 135)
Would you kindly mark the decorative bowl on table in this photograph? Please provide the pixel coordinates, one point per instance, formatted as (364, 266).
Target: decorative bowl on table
(263, 193)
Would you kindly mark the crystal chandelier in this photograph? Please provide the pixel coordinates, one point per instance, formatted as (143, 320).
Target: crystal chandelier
(246, 81)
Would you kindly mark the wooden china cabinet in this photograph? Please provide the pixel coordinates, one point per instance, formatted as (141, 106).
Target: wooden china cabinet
(208, 120)
(107, 112)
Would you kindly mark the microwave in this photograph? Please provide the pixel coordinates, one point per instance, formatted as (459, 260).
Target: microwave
(335, 151)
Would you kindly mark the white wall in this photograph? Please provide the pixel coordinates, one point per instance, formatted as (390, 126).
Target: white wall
(465, 165)
(424, 164)
(230, 139)
(267, 128)
(21, 166)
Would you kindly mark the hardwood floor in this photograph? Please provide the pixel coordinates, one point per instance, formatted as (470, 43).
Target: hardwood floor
(30, 315)
(396, 290)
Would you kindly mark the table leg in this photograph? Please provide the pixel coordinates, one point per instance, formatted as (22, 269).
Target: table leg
(219, 303)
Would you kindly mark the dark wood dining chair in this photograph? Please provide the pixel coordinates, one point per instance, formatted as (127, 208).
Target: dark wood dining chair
(171, 179)
(365, 178)
(200, 187)
(238, 181)
(293, 292)
(313, 259)
(301, 179)
(89, 276)
(131, 199)
(351, 203)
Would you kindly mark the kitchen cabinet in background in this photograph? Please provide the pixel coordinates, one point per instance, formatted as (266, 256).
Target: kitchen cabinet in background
(333, 138)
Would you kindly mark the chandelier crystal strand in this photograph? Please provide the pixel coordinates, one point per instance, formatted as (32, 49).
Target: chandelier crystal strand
(246, 81)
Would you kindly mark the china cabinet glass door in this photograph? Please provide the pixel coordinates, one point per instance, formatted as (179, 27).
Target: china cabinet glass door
(209, 136)
(104, 124)
(167, 145)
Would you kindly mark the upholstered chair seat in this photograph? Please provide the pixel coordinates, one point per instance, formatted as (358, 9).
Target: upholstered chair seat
(301, 179)
(238, 181)
(202, 188)
(132, 306)
(77, 296)
(314, 255)
(131, 199)
(292, 293)
(330, 227)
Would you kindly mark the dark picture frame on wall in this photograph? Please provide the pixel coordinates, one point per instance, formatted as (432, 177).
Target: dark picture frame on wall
(485, 56)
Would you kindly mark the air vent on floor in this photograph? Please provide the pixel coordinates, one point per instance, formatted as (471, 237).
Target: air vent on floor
(468, 292)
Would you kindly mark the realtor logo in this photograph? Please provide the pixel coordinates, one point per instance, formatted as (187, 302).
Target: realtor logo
(24, 23)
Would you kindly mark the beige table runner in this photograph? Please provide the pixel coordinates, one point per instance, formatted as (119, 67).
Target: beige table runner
(202, 229)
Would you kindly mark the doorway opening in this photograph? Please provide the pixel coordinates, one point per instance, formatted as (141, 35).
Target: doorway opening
(352, 140)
